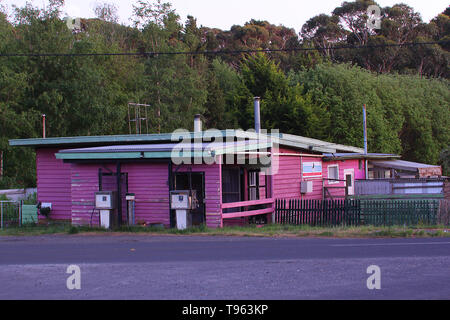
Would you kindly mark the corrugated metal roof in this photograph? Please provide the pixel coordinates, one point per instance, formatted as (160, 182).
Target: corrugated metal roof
(163, 151)
(288, 140)
(316, 145)
(403, 165)
(369, 156)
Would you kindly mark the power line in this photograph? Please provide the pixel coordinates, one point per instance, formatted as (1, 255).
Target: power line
(223, 52)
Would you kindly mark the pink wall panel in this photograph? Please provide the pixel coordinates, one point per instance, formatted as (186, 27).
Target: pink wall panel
(150, 183)
(53, 183)
(286, 184)
(343, 165)
(287, 181)
(84, 185)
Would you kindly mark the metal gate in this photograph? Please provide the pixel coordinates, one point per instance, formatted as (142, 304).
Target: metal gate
(10, 214)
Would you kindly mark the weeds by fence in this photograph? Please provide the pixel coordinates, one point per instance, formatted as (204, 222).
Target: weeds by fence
(361, 212)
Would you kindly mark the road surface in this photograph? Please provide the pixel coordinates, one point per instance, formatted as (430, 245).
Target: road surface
(222, 268)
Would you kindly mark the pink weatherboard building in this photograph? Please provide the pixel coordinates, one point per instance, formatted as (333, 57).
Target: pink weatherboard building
(236, 181)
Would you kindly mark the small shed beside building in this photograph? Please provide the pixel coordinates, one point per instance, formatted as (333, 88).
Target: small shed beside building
(384, 169)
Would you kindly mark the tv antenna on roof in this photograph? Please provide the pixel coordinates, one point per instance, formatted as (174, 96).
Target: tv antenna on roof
(138, 113)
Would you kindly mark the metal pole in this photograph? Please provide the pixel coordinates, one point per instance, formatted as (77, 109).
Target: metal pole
(171, 187)
(1, 214)
(119, 193)
(366, 148)
(20, 213)
(43, 126)
(129, 119)
(257, 112)
(1, 164)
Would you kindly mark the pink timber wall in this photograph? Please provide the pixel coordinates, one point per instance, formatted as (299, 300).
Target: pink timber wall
(53, 183)
(287, 181)
(84, 184)
(343, 165)
(150, 183)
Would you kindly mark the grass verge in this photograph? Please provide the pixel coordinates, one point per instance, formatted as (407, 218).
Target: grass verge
(248, 231)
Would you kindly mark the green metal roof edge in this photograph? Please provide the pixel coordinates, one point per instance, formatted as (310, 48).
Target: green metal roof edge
(98, 156)
(411, 196)
(282, 139)
(143, 138)
(128, 155)
(368, 157)
(67, 155)
(303, 146)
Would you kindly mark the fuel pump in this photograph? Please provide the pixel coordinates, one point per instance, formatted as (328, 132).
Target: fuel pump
(131, 208)
(105, 202)
(183, 202)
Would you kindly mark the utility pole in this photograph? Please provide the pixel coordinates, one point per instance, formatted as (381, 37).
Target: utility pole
(366, 149)
(1, 164)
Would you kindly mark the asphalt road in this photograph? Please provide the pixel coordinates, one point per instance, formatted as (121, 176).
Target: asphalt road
(219, 268)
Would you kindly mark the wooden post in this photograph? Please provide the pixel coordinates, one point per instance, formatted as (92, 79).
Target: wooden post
(1, 164)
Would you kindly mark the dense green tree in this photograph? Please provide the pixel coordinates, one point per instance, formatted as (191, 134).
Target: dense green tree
(171, 83)
(406, 115)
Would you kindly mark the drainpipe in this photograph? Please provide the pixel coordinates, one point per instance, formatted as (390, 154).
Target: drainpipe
(257, 108)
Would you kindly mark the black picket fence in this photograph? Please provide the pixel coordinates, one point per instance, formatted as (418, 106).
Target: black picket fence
(318, 212)
(326, 213)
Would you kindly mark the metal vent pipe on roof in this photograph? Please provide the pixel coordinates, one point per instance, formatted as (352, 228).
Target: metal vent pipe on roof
(43, 127)
(197, 123)
(257, 108)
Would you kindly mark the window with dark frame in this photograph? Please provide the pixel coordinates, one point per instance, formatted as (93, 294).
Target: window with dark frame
(257, 185)
(231, 186)
(253, 185)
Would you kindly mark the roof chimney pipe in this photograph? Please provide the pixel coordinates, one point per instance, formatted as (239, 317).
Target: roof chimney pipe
(257, 107)
(197, 123)
(43, 127)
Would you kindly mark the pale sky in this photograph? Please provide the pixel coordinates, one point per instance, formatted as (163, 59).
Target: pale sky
(225, 13)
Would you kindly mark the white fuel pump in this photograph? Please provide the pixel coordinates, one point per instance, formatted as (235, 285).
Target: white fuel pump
(106, 204)
(183, 202)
